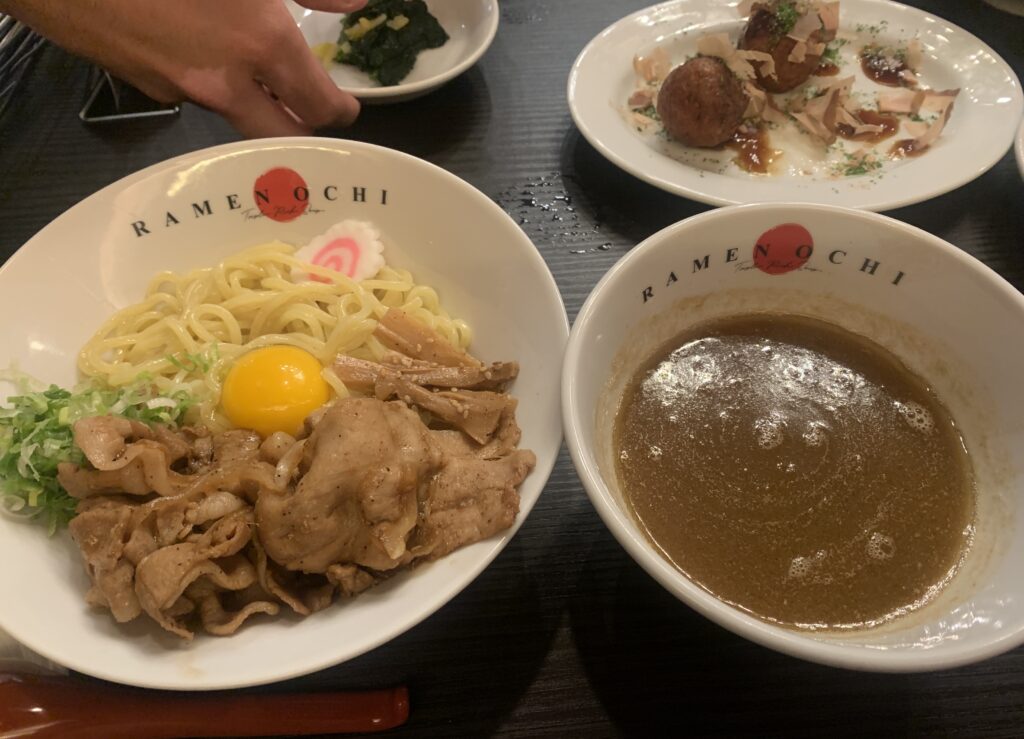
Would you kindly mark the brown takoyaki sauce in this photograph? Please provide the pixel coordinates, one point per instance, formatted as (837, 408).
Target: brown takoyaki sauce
(883, 66)
(890, 125)
(753, 151)
(907, 148)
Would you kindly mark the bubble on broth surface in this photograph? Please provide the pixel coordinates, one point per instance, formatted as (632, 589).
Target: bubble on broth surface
(917, 416)
(801, 567)
(880, 546)
(683, 374)
(769, 431)
(815, 434)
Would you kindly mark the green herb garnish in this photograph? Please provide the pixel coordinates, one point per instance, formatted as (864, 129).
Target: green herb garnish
(651, 112)
(385, 37)
(831, 53)
(858, 165)
(874, 30)
(786, 16)
(36, 436)
(858, 169)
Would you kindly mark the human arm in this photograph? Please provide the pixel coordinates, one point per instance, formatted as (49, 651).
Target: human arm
(245, 60)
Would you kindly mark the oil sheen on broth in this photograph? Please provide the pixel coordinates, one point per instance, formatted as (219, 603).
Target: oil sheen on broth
(796, 470)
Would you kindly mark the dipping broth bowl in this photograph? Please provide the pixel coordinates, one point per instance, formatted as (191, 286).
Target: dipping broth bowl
(948, 318)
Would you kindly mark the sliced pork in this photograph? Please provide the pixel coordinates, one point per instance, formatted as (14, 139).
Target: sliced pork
(357, 503)
(469, 500)
(382, 490)
(198, 531)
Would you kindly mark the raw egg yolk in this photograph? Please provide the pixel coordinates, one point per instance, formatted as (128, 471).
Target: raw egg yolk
(273, 389)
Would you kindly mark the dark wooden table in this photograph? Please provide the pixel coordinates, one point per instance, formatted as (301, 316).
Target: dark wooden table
(564, 635)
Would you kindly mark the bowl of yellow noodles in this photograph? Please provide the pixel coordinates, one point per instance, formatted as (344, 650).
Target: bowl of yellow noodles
(188, 299)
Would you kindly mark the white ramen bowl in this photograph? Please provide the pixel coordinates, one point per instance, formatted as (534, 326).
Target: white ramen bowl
(1018, 148)
(471, 26)
(950, 319)
(100, 255)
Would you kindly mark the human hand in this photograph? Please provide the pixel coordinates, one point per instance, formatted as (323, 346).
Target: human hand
(247, 61)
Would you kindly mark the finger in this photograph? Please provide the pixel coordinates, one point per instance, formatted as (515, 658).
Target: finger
(301, 82)
(333, 6)
(256, 115)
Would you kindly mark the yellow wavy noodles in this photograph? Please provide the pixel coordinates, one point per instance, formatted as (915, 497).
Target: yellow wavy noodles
(189, 328)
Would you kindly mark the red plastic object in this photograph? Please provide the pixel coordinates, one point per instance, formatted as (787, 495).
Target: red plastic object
(69, 708)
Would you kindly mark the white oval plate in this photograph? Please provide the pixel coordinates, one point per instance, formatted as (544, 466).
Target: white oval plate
(471, 26)
(100, 255)
(980, 130)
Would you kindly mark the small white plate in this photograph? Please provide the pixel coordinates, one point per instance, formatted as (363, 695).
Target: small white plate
(471, 27)
(981, 128)
(193, 211)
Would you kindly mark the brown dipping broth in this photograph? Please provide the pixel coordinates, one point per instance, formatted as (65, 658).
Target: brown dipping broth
(796, 470)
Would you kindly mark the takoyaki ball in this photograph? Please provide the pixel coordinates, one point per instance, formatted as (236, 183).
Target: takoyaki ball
(766, 31)
(701, 102)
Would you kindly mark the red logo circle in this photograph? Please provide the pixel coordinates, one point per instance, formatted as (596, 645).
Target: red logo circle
(281, 194)
(782, 249)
